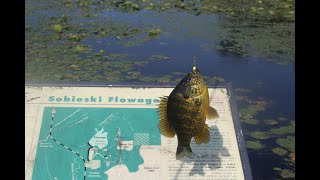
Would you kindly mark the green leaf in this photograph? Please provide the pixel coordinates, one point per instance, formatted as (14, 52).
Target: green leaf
(281, 118)
(253, 145)
(286, 173)
(135, 6)
(279, 151)
(271, 122)
(154, 32)
(81, 48)
(57, 28)
(277, 169)
(250, 121)
(260, 135)
(283, 130)
(288, 143)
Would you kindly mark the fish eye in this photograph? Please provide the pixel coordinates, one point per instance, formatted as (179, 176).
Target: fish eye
(188, 79)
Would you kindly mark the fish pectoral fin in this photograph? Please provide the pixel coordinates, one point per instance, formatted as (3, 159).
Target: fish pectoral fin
(203, 136)
(164, 125)
(212, 113)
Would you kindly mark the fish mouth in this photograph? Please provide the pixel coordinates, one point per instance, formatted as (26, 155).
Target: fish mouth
(195, 72)
(186, 97)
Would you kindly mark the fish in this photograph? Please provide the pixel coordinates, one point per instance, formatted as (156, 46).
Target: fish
(184, 112)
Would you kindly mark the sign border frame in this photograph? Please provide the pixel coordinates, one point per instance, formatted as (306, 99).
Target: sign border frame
(233, 106)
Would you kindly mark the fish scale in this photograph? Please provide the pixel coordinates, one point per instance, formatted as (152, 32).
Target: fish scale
(184, 113)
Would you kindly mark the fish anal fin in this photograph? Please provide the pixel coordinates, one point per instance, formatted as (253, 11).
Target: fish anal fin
(212, 113)
(164, 125)
(203, 136)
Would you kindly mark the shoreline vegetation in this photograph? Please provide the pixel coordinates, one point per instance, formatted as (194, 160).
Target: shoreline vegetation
(70, 40)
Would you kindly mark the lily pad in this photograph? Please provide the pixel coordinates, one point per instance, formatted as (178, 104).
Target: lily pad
(166, 6)
(81, 48)
(101, 52)
(288, 143)
(154, 32)
(277, 169)
(74, 37)
(293, 123)
(177, 80)
(283, 130)
(57, 28)
(271, 122)
(150, 6)
(159, 57)
(164, 79)
(260, 135)
(135, 6)
(128, 3)
(282, 118)
(147, 79)
(74, 67)
(133, 75)
(253, 145)
(240, 98)
(118, 56)
(242, 90)
(215, 79)
(250, 121)
(178, 73)
(286, 173)
(243, 98)
(279, 151)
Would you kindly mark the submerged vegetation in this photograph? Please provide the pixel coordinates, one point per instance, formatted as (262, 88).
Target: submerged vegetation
(279, 131)
(79, 40)
(251, 28)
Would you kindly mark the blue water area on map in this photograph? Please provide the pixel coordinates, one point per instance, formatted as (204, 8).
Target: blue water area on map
(63, 154)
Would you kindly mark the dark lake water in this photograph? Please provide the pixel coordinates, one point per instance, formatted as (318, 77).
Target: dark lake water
(183, 36)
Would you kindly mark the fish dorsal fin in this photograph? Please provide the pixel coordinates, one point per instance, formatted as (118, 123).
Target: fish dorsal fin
(164, 126)
(203, 136)
(212, 113)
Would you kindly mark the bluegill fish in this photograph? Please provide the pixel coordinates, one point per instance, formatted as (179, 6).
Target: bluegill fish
(184, 113)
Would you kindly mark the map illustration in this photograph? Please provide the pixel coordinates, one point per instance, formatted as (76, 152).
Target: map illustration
(85, 143)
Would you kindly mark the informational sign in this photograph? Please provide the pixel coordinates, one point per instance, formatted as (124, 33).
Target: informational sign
(79, 132)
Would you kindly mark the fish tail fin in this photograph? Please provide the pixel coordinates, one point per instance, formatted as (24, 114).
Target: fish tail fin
(183, 151)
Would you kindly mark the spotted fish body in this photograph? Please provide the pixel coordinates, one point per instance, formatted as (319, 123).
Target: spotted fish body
(184, 113)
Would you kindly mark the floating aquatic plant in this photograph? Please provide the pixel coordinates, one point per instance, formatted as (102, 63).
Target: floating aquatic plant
(57, 28)
(281, 118)
(260, 135)
(271, 122)
(81, 48)
(159, 57)
(279, 151)
(242, 90)
(288, 143)
(286, 173)
(250, 121)
(214, 79)
(254, 145)
(75, 67)
(154, 32)
(283, 130)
